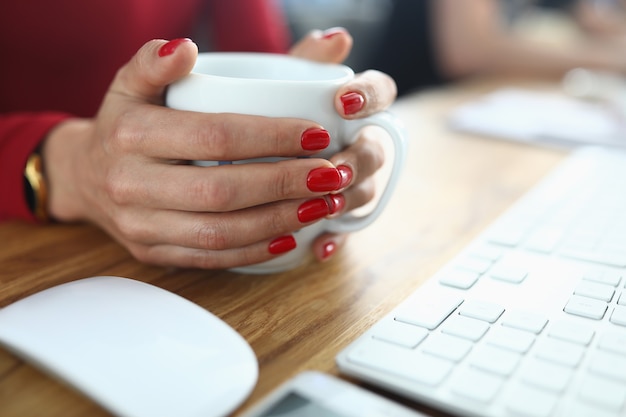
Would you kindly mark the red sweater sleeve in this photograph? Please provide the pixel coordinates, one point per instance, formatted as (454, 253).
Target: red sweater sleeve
(20, 134)
(249, 25)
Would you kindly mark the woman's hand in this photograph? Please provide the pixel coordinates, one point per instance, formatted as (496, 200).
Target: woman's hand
(368, 93)
(126, 171)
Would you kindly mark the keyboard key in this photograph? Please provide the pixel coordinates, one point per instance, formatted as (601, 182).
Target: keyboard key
(508, 235)
(581, 409)
(459, 278)
(595, 290)
(509, 273)
(586, 307)
(447, 347)
(543, 374)
(528, 401)
(401, 334)
(491, 253)
(465, 327)
(474, 264)
(405, 363)
(603, 392)
(609, 365)
(481, 310)
(511, 339)
(613, 342)
(560, 352)
(608, 278)
(476, 385)
(428, 312)
(495, 360)
(524, 320)
(572, 332)
(544, 240)
(619, 315)
(610, 259)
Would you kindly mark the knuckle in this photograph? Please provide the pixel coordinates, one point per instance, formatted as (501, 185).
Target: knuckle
(215, 139)
(117, 187)
(276, 222)
(126, 134)
(378, 88)
(209, 260)
(212, 236)
(211, 195)
(283, 184)
(128, 226)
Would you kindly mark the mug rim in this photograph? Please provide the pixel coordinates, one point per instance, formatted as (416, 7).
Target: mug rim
(344, 72)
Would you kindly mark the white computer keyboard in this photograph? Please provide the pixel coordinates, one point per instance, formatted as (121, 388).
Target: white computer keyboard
(529, 319)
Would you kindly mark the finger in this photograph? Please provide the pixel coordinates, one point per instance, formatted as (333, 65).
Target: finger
(363, 158)
(357, 196)
(368, 93)
(332, 45)
(164, 133)
(327, 245)
(221, 188)
(156, 64)
(172, 255)
(213, 231)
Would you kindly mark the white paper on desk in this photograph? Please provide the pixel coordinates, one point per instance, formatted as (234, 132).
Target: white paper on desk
(540, 117)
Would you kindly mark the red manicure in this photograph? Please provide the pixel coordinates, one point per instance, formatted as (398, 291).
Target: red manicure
(170, 47)
(282, 244)
(324, 179)
(337, 202)
(328, 250)
(329, 33)
(352, 102)
(346, 175)
(313, 210)
(315, 139)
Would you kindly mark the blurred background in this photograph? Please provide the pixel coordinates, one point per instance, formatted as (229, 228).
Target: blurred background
(365, 20)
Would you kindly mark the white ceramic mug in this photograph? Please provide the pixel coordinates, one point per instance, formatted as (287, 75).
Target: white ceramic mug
(276, 85)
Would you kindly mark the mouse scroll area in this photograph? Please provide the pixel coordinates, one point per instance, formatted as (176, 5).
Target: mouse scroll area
(136, 349)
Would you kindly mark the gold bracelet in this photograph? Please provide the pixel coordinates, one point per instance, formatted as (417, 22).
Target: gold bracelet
(35, 179)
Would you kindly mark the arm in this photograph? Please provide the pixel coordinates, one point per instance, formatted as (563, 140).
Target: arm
(471, 40)
(605, 22)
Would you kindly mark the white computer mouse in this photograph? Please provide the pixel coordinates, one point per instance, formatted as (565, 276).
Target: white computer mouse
(136, 349)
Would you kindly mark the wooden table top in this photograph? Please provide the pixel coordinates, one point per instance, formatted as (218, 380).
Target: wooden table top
(453, 186)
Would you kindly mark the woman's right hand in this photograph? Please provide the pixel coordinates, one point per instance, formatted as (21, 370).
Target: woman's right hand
(125, 170)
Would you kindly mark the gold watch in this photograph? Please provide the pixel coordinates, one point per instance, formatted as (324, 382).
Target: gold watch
(35, 186)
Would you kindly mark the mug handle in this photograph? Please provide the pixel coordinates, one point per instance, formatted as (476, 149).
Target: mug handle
(395, 128)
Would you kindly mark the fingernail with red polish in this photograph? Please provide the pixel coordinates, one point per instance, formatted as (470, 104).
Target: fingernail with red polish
(313, 210)
(282, 244)
(324, 179)
(352, 102)
(315, 139)
(170, 47)
(328, 250)
(329, 33)
(346, 175)
(337, 202)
